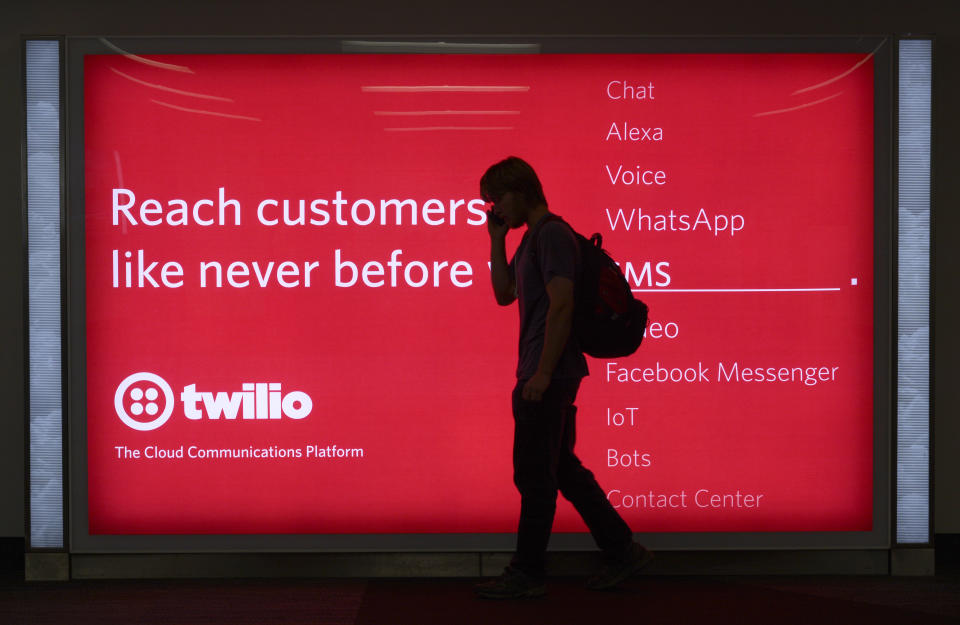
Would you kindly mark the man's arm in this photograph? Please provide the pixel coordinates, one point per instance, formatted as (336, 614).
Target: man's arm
(559, 323)
(504, 286)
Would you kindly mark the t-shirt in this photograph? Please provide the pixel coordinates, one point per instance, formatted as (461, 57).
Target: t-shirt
(557, 254)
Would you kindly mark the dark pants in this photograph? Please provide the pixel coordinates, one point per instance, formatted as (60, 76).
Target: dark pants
(544, 462)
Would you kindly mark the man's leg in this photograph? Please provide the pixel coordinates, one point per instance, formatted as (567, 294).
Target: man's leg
(624, 558)
(578, 485)
(537, 447)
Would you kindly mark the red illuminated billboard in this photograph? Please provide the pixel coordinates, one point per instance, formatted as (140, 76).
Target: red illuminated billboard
(290, 327)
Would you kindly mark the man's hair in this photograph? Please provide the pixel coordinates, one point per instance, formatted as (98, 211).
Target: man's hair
(511, 174)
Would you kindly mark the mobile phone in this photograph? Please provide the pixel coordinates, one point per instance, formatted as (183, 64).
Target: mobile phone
(494, 219)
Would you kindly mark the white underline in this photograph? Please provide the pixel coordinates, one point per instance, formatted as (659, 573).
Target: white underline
(429, 128)
(421, 113)
(444, 88)
(734, 290)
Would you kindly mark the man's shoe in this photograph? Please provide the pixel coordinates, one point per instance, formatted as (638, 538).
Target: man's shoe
(616, 571)
(512, 584)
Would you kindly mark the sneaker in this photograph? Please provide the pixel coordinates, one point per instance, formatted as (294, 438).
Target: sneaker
(616, 571)
(512, 584)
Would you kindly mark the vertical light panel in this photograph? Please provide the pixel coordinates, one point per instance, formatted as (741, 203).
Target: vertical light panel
(43, 240)
(913, 294)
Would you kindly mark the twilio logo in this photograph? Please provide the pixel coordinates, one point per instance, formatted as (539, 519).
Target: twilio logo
(139, 395)
(257, 400)
(144, 401)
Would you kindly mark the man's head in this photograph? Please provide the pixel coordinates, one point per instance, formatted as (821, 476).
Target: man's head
(514, 189)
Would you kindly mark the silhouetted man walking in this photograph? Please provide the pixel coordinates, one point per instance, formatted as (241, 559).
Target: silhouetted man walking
(542, 277)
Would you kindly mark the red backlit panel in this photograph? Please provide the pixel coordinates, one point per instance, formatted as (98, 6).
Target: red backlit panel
(290, 327)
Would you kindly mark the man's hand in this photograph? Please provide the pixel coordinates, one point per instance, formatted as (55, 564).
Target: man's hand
(504, 287)
(559, 323)
(536, 386)
(496, 227)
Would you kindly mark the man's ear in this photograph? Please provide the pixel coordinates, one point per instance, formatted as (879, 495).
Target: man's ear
(521, 198)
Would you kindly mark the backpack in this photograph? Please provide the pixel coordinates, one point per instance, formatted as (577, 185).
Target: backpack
(608, 320)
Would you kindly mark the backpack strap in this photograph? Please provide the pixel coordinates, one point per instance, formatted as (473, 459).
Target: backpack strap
(534, 235)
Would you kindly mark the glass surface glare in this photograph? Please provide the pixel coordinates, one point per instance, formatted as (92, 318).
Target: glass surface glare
(43, 218)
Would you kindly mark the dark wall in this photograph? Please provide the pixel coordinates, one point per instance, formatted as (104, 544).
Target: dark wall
(490, 17)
